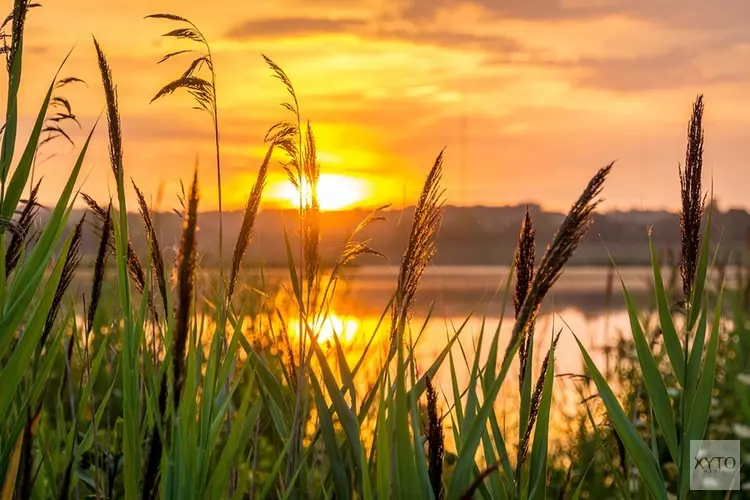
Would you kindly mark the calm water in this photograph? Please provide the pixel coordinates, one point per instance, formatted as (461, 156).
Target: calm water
(578, 303)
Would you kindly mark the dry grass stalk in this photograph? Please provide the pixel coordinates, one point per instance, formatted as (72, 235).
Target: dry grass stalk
(693, 199)
(99, 267)
(18, 19)
(72, 259)
(474, 486)
(565, 242)
(248, 222)
(135, 269)
(536, 400)
(435, 441)
(310, 213)
(113, 117)
(185, 290)
(421, 248)
(157, 258)
(525, 257)
(21, 237)
(354, 248)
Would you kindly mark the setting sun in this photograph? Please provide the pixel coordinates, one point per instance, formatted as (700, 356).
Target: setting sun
(335, 192)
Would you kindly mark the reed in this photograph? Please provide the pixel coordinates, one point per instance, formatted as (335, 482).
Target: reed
(21, 238)
(157, 258)
(693, 199)
(100, 267)
(248, 222)
(564, 243)
(421, 247)
(185, 291)
(72, 259)
(435, 441)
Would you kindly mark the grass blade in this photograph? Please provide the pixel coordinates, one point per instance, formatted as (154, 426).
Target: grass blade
(636, 448)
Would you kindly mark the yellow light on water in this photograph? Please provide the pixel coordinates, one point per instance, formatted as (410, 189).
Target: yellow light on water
(345, 327)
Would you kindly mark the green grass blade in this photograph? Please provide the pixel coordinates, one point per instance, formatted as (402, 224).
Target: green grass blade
(634, 445)
(405, 466)
(669, 332)
(421, 462)
(14, 189)
(701, 406)
(695, 356)
(236, 441)
(579, 489)
(538, 461)
(16, 366)
(347, 417)
(701, 272)
(347, 379)
(383, 442)
(657, 390)
(336, 462)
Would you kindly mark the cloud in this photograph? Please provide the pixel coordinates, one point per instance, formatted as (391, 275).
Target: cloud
(671, 70)
(696, 14)
(291, 26)
(454, 40)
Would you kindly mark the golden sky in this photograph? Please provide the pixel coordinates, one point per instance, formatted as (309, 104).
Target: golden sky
(529, 96)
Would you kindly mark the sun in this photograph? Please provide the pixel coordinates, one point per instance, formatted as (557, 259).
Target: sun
(335, 192)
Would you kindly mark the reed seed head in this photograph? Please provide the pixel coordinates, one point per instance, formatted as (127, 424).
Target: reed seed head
(525, 257)
(421, 248)
(157, 259)
(185, 289)
(113, 115)
(99, 267)
(693, 199)
(565, 242)
(21, 237)
(72, 259)
(435, 441)
(248, 222)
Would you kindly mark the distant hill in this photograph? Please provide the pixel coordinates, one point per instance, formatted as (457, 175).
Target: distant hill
(468, 236)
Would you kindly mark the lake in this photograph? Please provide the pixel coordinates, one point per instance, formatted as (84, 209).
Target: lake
(579, 302)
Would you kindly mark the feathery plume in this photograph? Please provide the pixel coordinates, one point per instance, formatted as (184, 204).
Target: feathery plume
(157, 259)
(99, 268)
(525, 256)
(72, 259)
(185, 289)
(311, 211)
(18, 18)
(536, 400)
(421, 248)
(113, 116)
(202, 90)
(248, 222)
(565, 242)
(25, 221)
(436, 442)
(286, 135)
(693, 199)
(135, 269)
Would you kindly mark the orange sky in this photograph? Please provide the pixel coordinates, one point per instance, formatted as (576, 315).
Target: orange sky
(529, 96)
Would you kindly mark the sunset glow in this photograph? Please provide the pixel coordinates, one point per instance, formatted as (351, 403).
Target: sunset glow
(526, 97)
(335, 192)
(345, 327)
